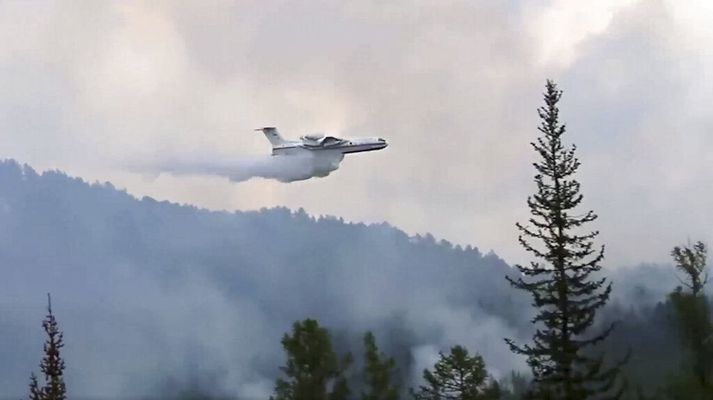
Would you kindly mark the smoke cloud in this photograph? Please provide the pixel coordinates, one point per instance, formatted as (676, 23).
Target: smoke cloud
(157, 299)
(184, 299)
(282, 168)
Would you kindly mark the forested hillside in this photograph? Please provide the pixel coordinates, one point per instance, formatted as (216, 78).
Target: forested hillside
(156, 298)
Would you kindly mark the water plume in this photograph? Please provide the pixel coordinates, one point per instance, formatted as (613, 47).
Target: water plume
(282, 168)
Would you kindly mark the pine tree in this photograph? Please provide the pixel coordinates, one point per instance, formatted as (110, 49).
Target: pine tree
(692, 262)
(458, 376)
(565, 293)
(379, 371)
(313, 370)
(52, 365)
(693, 316)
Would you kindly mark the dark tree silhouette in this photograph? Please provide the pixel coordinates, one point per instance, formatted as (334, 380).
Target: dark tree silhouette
(313, 370)
(35, 391)
(692, 262)
(458, 376)
(564, 291)
(52, 365)
(694, 321)
(379, 370)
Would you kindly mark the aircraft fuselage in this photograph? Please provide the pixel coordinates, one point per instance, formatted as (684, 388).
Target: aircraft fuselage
(329, 143)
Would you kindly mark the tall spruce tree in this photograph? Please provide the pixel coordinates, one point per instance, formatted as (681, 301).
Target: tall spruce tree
(52, 365)
(379, 370)
(565, 292)
(313, 370)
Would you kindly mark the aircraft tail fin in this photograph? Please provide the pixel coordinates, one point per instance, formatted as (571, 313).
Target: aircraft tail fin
(272, 135)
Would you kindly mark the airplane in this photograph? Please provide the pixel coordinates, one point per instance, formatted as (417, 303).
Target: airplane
(317, 142)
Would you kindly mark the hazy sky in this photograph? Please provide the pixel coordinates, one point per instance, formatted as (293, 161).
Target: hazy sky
(91, 87)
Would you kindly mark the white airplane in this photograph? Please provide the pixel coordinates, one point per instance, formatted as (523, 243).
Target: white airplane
(318, 142)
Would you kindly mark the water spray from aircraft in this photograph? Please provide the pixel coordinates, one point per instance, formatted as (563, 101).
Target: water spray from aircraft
(284, 169)
(312, 156)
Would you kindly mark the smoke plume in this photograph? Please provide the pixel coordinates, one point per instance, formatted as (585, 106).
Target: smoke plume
(158, 299)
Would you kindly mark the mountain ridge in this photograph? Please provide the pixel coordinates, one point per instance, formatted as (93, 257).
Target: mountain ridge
(157, 297)
(146, 268)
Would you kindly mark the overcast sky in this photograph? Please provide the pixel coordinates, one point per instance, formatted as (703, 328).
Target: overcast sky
(92, 87)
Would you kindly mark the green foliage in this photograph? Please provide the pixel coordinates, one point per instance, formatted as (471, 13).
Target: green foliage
(379, 371)
(693, 319)
(313, 370)
(52, 365)
(458, 376)
(692, 262)
(564, 291)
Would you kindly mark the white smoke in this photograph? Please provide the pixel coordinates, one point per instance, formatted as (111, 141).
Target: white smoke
(283, 168)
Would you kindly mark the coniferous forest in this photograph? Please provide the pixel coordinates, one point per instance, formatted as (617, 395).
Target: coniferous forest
(159, 300)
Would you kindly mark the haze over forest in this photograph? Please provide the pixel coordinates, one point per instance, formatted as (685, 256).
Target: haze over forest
(181, 284)
(156, 298)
